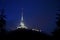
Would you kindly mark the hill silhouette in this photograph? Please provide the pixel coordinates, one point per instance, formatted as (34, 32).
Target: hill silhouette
(25, 34)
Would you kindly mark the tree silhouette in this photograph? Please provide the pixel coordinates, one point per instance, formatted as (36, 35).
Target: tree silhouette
(2, 21)
(56, 33)
(58, 20)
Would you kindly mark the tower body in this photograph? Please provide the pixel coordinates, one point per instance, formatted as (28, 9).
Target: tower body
(22, 25)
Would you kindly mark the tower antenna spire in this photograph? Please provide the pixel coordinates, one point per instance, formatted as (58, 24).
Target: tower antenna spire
(22, 15)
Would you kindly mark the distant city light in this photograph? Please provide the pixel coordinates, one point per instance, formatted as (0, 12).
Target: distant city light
(35, 30)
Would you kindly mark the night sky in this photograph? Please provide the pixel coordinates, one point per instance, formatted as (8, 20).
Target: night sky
(36, 13)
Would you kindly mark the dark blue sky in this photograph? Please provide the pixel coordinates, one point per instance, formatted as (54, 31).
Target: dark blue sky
(41, 12)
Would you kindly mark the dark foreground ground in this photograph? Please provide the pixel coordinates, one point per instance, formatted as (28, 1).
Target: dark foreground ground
(24, 34)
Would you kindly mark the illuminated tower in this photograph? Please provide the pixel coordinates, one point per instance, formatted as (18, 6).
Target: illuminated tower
(21, 25)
